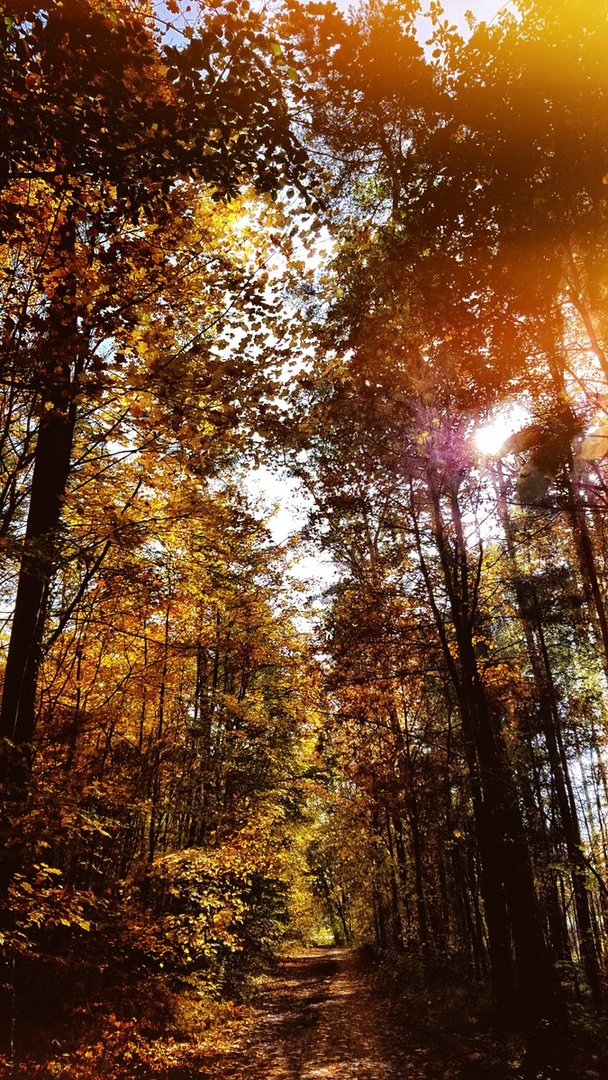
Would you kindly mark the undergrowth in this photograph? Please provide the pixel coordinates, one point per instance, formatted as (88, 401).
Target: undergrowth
(451, 1012)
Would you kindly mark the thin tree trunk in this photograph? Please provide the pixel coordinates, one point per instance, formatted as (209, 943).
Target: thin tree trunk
(570, 823)
(551, 726)
(156, 764)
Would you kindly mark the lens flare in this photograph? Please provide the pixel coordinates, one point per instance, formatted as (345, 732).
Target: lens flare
(490, 438)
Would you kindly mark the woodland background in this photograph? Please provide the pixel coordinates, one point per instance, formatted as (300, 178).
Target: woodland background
(304, 239)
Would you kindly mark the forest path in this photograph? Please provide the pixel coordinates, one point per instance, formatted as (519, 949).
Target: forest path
(319, 1017)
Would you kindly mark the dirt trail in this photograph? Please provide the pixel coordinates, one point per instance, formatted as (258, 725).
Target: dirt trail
(319, 1018)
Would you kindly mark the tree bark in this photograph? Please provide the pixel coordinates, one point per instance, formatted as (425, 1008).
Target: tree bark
(507, 871)
(527, 597)
(61, 368)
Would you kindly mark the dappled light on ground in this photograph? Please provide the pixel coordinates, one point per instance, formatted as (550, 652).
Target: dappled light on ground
(319, 1018)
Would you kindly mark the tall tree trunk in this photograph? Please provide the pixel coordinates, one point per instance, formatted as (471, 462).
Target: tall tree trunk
(570, 822)
(395, 905)
(503, 843)
(61, 366)
(527, 598)
(408, 788)
(51, 471)
(588, 569)
(491, 871)
(61, 362)
(156, 749)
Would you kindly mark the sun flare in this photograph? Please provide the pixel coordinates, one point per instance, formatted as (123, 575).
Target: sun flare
(490, 438)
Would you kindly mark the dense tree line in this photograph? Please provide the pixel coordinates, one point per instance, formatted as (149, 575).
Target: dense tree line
(153, 690)
(467, 631)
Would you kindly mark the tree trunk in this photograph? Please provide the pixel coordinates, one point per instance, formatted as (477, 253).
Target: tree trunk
(61, 366)
(503, 843)
(527, 596)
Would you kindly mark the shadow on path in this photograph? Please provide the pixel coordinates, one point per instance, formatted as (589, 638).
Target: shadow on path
(320, 1018)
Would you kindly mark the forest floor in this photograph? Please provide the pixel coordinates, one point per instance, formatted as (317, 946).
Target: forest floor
(320, 1016)
(316, 1014)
